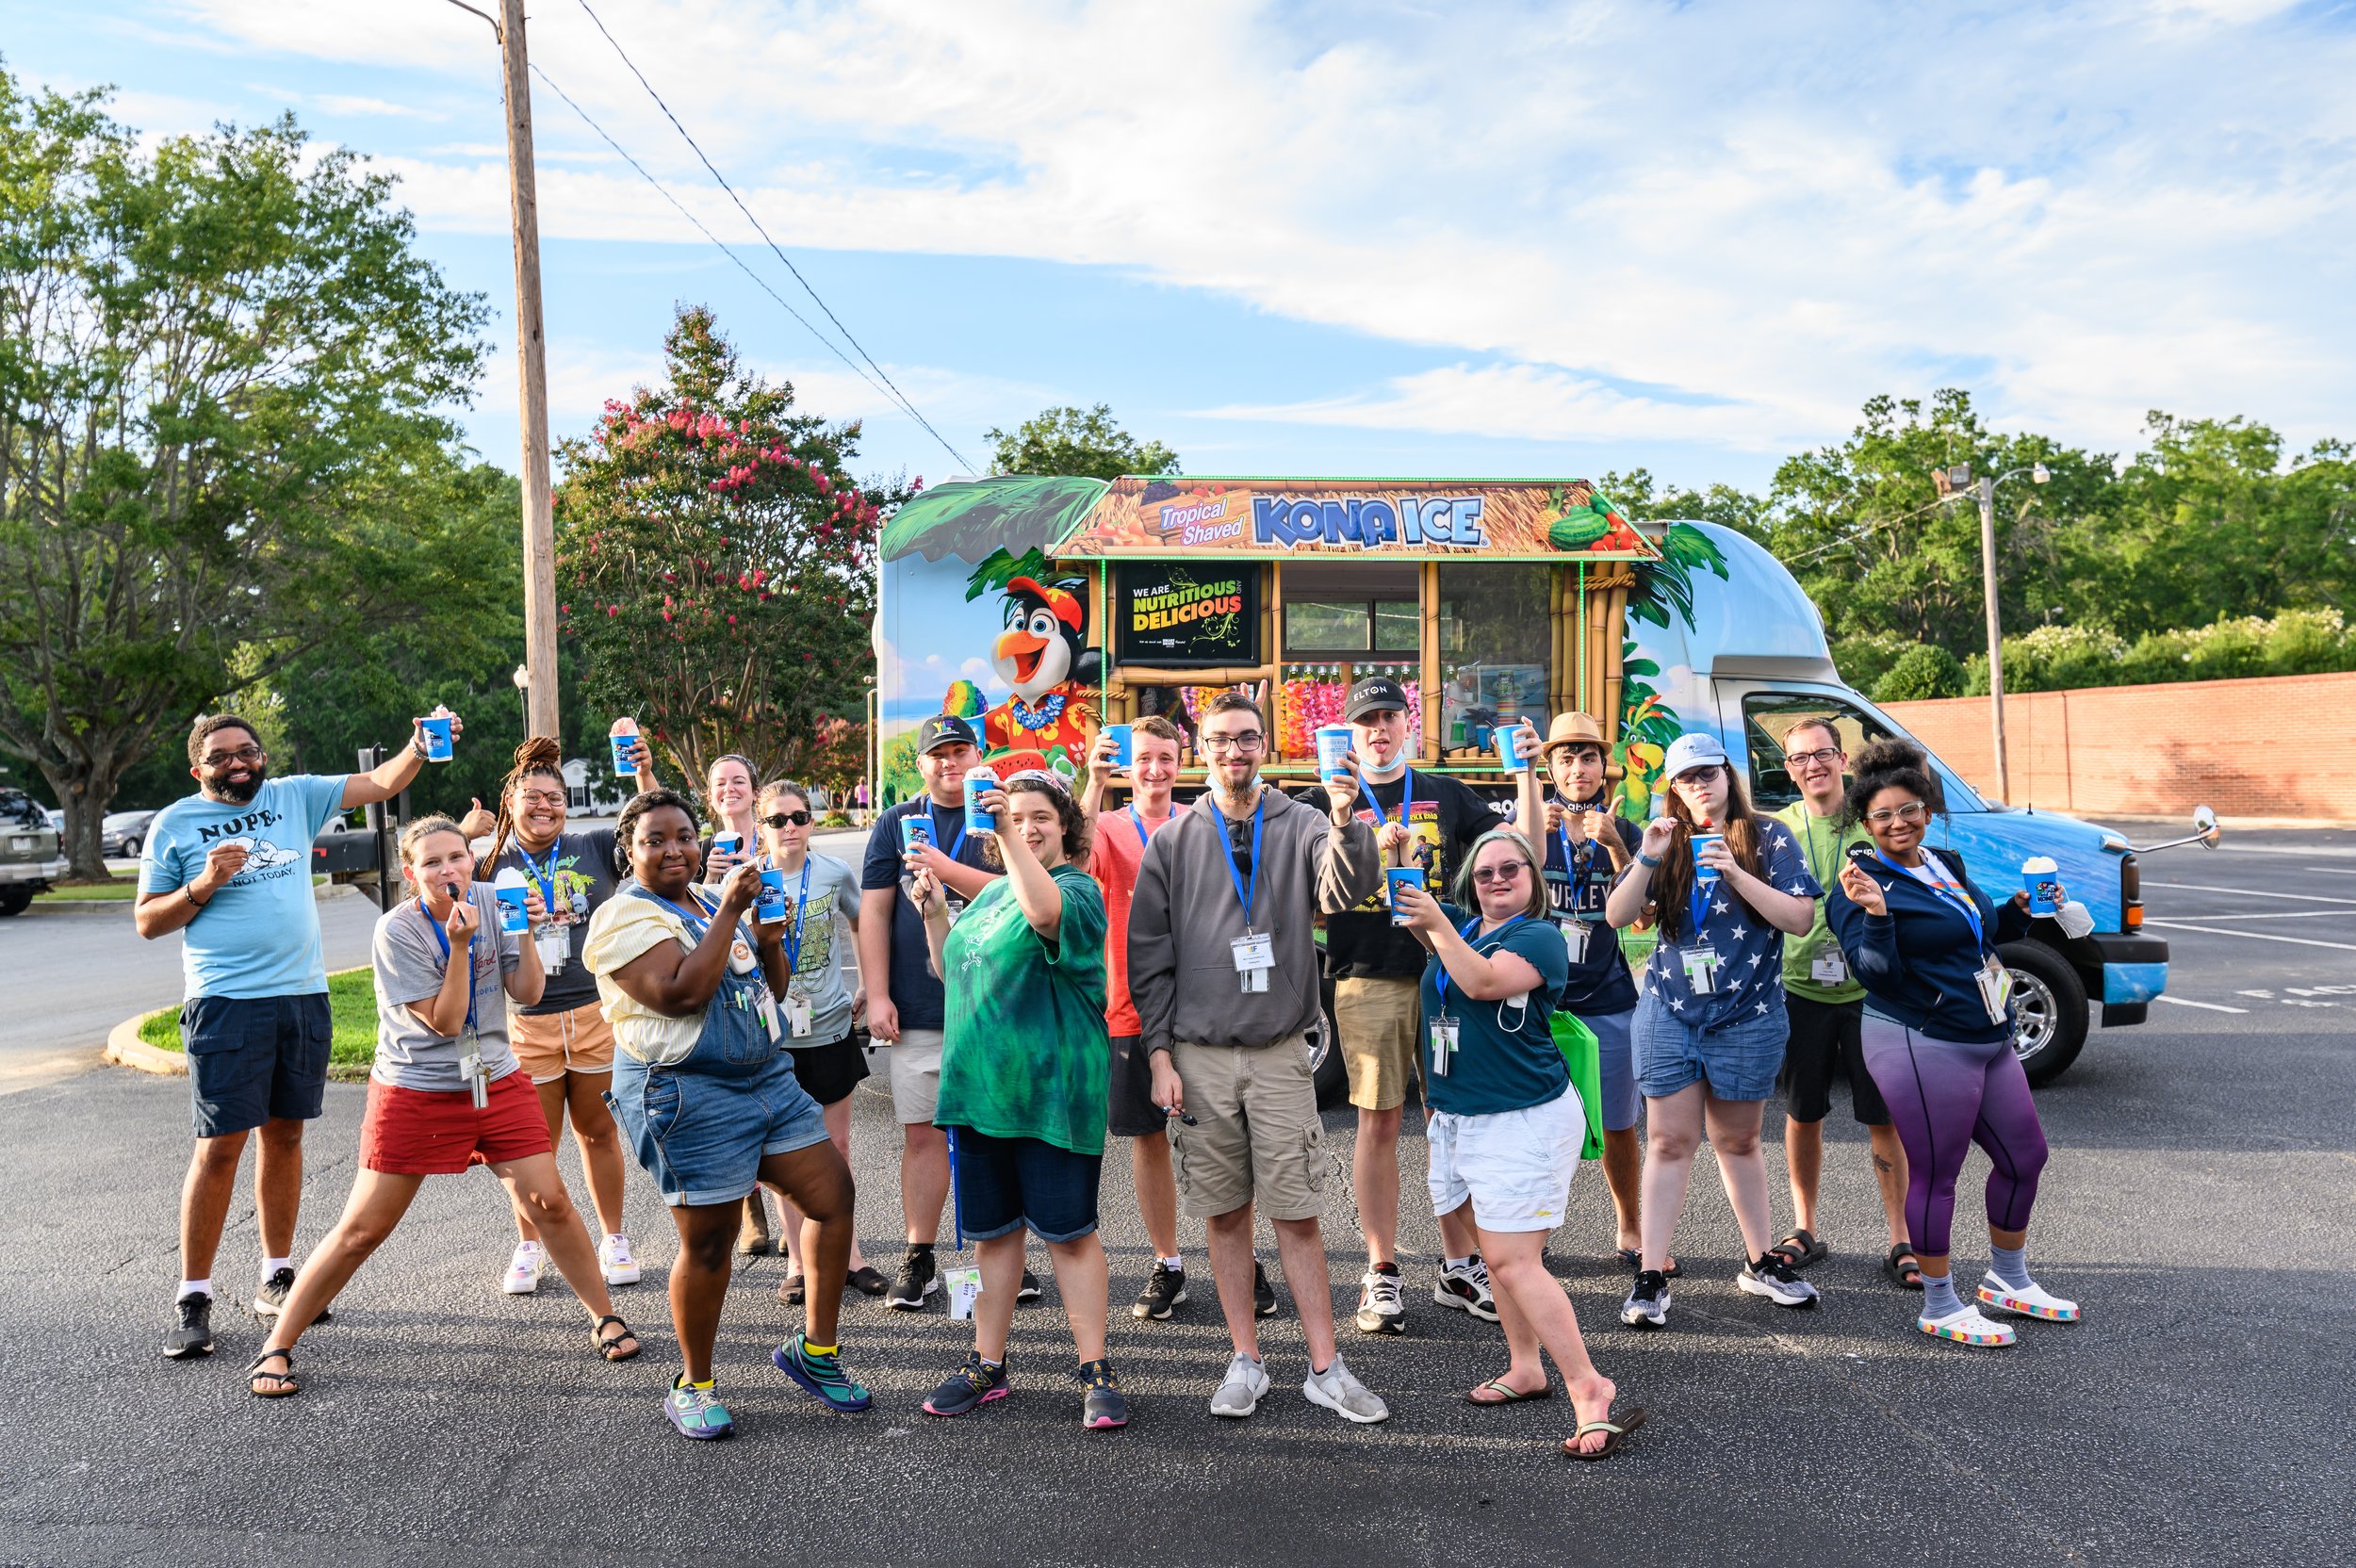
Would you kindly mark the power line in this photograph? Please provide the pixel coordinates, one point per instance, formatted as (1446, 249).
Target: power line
(773, 245)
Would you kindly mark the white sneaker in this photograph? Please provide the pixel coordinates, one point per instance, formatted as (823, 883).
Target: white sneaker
(1966, 1325)
(1241, 1390)
(523, 1270)
(1466, 1289)
(2029, 1301)
(615, 1261)
(1344, 1395)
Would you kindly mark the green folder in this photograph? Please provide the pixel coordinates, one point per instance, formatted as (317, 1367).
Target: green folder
(1578, 1044)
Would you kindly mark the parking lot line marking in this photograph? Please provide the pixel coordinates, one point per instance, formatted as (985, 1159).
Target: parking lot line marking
(2255, 935)
(2209, 1006)
(2278, 914)
(2251, 893)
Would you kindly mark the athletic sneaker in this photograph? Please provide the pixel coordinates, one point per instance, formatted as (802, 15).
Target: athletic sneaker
(1028, 1290)
(1380, 1309)
(192, 1330)
(919, 1278)
(269, 1297)
(1102, 1409)
(1466, 1289)
(1647, 1303)
(2029, 1301)
(1165, 1289)
(821, 1377)
(969, 1388)
(698, 1412)
(1772, 1278)
(1344, 1395)
(615, 1261)
(1262, 1293)
(1965, 1326)
(523, 1270)
(1241, 1390)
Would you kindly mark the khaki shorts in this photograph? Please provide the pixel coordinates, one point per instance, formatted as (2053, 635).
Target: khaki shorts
(549, 1045)
(1256, 1137)
(915, 1058)
(1378, 1020)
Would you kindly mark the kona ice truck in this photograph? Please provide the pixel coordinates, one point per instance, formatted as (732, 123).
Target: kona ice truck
(1040, 609)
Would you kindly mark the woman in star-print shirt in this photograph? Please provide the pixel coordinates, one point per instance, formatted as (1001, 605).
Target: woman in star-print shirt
(1723, 887)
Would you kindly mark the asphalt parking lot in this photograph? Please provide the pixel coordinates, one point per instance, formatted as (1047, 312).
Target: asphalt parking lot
(2197, 1202)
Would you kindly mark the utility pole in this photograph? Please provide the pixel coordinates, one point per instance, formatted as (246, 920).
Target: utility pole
(1995, 630)
(531, 363)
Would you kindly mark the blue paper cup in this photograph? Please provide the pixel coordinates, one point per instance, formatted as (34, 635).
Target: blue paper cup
(770, 906)
(624, 763)
(915, 832)
(1396, 877)
(1703, 874)
(1119, 733)
(977, 820)
(513, 915)
(438, 747)
(2041, 880)
(1334, 744)
(1506, 740)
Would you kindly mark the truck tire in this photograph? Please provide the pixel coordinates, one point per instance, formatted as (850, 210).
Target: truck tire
(2049, 1003)
(15, 899)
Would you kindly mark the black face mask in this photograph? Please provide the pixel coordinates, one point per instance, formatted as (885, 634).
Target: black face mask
(238, 794)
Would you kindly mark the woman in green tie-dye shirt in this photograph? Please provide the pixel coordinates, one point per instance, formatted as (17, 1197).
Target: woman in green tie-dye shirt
(1024, 1064)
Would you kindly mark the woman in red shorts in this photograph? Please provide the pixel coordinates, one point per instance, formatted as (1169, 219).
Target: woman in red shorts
(445, 1093)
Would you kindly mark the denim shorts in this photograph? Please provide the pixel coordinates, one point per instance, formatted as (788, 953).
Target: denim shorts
(1615, 1062)
(703, 1136)
(1006, 1183)
(1739, 1058)
(256, 1058)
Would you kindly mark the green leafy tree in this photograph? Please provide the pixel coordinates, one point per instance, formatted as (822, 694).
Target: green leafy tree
(716, 562)
(1925, 670)
(1089, 445)
(220, 362)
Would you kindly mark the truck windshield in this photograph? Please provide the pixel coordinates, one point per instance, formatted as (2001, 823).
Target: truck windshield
(1767, 718)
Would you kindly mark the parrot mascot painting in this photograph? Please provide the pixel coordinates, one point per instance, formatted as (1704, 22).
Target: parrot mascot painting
(1043, 657)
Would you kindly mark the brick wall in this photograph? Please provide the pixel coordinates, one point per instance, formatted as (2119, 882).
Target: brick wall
(2283, 746)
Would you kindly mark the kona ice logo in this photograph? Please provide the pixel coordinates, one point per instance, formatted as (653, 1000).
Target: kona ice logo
(1369, 523)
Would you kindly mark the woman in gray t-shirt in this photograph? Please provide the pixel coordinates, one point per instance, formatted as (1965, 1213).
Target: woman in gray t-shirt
(444, 1093)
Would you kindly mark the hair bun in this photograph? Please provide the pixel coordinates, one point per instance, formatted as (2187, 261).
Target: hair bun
(1893, 754)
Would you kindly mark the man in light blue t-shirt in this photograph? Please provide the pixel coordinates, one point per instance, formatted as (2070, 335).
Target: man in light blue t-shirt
(230, 868)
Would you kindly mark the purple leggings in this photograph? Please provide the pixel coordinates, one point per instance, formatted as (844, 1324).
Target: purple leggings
(1945, 1096)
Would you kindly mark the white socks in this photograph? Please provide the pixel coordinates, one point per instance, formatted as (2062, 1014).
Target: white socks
(192, 1288)
(272, 1265)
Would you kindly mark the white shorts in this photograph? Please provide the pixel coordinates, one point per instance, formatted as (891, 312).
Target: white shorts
(915, 1075)
(1516, 1166)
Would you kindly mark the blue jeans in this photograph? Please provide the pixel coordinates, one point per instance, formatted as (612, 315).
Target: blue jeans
(1739, 1059)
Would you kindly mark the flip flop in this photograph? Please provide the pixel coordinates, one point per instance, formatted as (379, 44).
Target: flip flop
(1507, 1394)
(1616, 1432)
(1631, 1259)
(1800, 1250)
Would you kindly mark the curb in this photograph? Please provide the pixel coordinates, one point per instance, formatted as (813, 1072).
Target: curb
(125, 1049)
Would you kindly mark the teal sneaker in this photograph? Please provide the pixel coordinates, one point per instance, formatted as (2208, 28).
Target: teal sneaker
(821, 1377)
(698, 1412)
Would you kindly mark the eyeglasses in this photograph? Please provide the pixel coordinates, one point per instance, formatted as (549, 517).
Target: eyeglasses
(786, 819)
(538, 797)
(1242, 744)
(1913, 810)
(1829, 757)
(223, 759)
(1506, 873)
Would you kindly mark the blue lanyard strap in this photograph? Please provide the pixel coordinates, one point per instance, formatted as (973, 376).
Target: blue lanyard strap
(1951, 891)
(441, 940)
(1466, 931)
(801, 908)
(1143, 838)
(1246, 891)
(948, 849)
(547, 878)
(1406, 798)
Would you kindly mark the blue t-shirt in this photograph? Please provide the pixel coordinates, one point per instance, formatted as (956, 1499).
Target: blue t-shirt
(1748, 983)
(1505, 1057)
(259, 935)
(915, 991)
(1578, 882)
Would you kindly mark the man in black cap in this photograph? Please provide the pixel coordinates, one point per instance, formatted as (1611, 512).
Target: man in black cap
(904, 996)
(1426, 819)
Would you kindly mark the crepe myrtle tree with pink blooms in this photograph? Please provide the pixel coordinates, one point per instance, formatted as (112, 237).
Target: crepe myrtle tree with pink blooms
(716, 562)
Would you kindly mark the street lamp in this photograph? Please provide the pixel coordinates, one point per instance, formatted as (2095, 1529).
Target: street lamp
(1954, 483)
(523, 694)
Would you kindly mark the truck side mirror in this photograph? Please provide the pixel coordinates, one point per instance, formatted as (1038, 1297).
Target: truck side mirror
(2204, 824)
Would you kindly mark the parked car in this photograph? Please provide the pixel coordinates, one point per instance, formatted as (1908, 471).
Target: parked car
(124, 833)
(30, 861)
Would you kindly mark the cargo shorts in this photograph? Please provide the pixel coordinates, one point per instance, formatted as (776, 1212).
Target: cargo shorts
(1257, 1137)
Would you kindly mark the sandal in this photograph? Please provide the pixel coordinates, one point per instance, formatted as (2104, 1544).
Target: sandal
(1633, 1261)
(1615, 1433)
(284, 1382)
(868, 1280)
(1799, 1250)
(1506, 1394)
(610, 1346)
(1904, 1268)
(793, 1290)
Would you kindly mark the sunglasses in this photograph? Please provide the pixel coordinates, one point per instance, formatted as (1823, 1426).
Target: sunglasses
(1506, 873)
(786, 819)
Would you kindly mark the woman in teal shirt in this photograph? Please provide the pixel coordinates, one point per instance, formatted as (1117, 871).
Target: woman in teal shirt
(1506, 1124)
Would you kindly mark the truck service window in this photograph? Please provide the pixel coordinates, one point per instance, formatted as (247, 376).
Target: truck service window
(1496, 643)
(1343, 609)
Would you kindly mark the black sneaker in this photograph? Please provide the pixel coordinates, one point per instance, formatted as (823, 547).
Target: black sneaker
(1103, 1408)
(269, 1297)
(1028, 1290)
(1647, 1303)
(1772, 1278)
(969, 1388)
(1165, 1288)
(1262, 1293)
(191, 1332)
(919, 1278)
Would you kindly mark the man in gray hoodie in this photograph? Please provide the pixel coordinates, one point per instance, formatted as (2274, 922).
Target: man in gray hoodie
(1223, 969)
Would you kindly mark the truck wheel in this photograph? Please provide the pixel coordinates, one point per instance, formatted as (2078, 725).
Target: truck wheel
(2049, 1003)
(15, 899)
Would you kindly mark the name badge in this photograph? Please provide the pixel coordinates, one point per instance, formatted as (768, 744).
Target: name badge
(1255, 954)
(797, 1019)
(1701, 970)
(1829, 968)
(555, 947)
(964, 1285)
(1443, 1045)
(766, 1005)
(1995, 990)
(954, 905)
(470, 1069)
(1574, 939)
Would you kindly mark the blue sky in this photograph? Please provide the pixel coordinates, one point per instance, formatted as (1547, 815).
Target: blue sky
(1376, 238)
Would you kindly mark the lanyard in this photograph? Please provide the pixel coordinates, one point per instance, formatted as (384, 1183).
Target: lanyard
(545, 878)
(441, 940)
(1406, 798)
(1245, 892)
(1576, 852)
(801, 907)
(695, 927)
(1467, 931)
(948, 849)
(1945, 889)
(1144, 836)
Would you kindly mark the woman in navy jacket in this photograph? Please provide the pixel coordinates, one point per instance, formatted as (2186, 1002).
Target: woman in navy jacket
(1921, 939)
